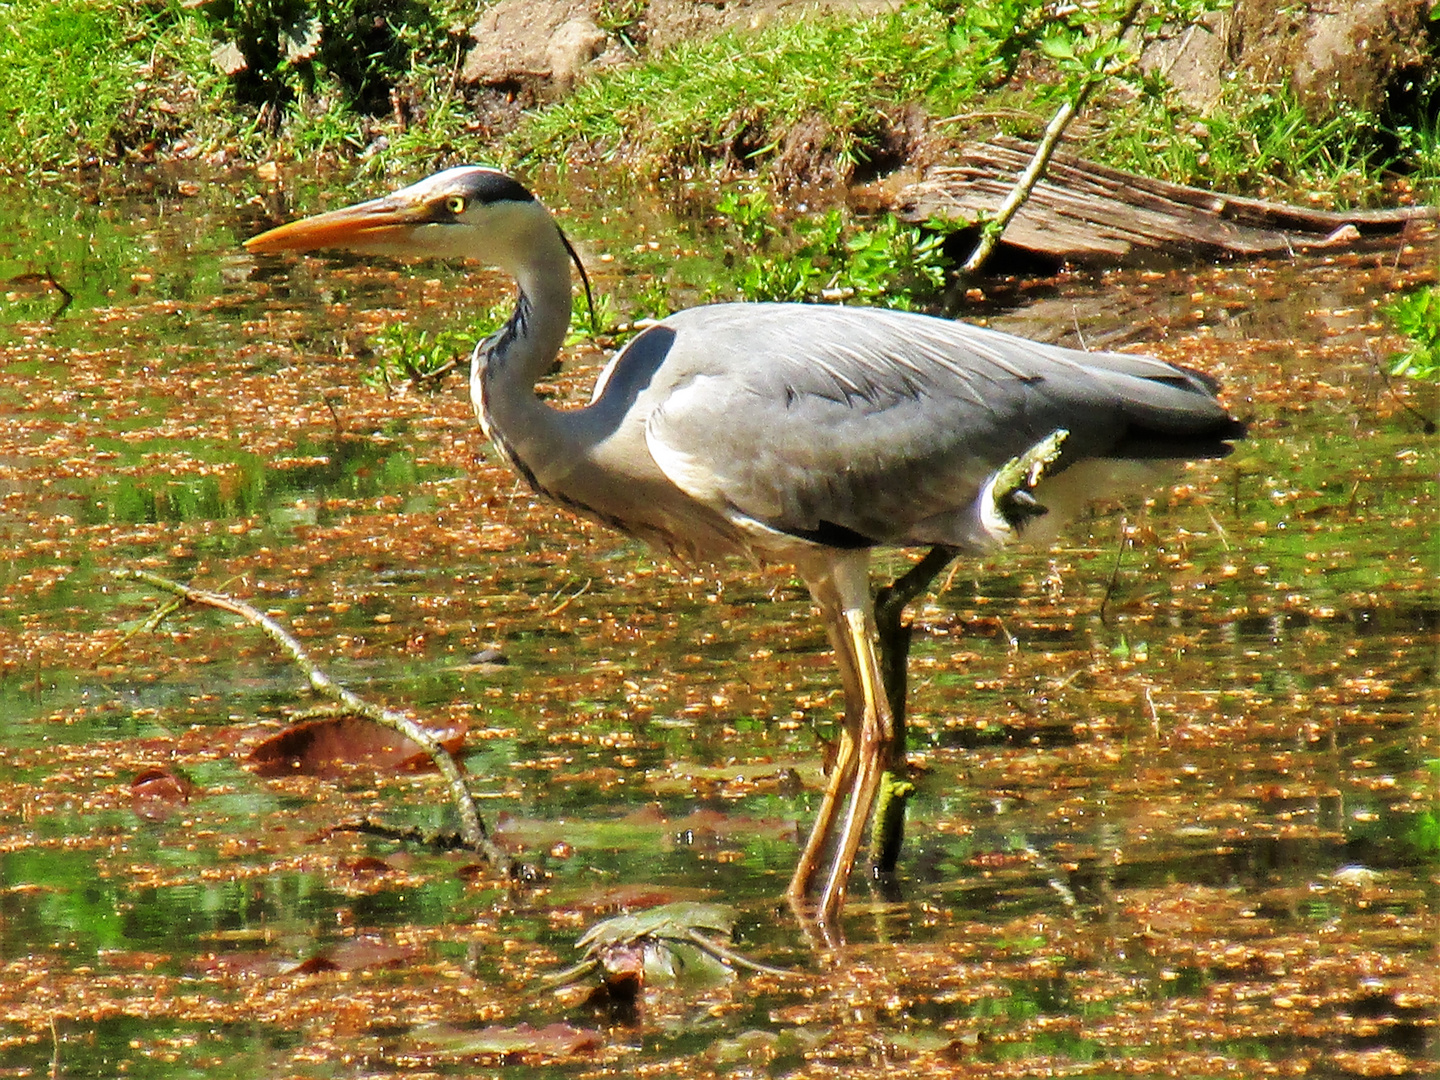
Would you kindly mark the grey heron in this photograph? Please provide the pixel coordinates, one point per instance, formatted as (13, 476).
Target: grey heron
(798, 434)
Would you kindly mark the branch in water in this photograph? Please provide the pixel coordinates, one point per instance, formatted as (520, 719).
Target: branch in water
(472, 828)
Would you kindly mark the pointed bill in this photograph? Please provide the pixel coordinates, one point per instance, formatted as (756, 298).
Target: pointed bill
(380, 225)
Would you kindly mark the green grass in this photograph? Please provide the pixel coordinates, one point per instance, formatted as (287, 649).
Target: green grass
(93, 81)
(736, 95)
(75, 75)
(1255, 141)
(100, 80)
(732, 98)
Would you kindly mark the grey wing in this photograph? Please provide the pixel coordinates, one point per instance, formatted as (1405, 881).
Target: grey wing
(854, 426)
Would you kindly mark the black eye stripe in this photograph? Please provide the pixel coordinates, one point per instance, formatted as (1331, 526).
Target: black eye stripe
(489, 187)
(478, 187)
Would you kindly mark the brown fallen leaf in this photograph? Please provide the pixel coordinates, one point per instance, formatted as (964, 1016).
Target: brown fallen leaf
(366, 865)
(156, 794)
(259, 964)
(357, 954)
(328, 746)
(552, 1040)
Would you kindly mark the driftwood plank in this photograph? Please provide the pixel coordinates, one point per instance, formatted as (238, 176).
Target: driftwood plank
(1084, 212)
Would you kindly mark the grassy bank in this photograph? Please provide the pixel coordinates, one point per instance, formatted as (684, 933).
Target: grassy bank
(734, 99)
(85, 83)
(96, 82)
(823, 100)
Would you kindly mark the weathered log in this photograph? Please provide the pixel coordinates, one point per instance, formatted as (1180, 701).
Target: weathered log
(1082, 212)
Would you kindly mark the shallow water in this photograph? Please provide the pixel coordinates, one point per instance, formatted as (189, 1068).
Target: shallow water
(1188, 827)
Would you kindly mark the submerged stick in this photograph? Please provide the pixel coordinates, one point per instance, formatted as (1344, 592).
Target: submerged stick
(472, 827)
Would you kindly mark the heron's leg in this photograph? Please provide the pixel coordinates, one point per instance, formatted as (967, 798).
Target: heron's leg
(841, 776)
(875, 735)
(888, 832)
(842, 771)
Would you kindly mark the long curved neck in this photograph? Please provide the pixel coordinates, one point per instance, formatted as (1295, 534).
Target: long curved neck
(505, 367)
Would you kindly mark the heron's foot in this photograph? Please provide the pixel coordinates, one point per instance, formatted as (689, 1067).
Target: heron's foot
(1009, 500)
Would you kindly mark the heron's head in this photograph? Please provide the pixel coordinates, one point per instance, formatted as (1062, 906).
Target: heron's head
(466, 212)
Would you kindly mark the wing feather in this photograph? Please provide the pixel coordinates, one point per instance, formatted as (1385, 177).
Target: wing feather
(878, 423)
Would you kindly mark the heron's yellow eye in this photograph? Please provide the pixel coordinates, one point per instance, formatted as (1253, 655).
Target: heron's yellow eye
(455, 204)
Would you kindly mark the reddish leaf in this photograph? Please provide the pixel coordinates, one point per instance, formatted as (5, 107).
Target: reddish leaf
(367, 953)
(368, 864)
(553, 1040)
(358, 954)
(648, 815)
(155, 794)
(313, 966)
(239, 963)
(626, 897)
(328, 747)
(123, 960)
(516, 833)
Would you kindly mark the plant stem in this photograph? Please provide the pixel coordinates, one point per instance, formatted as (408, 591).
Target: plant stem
(472, 827)
(995, 228)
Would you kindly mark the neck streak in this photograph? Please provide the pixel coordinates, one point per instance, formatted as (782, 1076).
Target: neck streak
(504, 368)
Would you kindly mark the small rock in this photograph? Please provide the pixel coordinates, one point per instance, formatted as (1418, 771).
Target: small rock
(571, 47)
(539, 46)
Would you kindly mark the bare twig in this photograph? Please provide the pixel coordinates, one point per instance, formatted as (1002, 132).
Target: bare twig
(472, 828)
(435, 374)
(444, 841)
(28, 281)
(988, 114)
(558, 608)
(1154, 713)
(1219, 529)
(158, 616)
(419, 378)
(335, 416)
(727, 955)
(994, 228)
(66, 297)
(1054, 875)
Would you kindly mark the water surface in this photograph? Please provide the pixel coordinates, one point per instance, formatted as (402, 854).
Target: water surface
(1181, 823)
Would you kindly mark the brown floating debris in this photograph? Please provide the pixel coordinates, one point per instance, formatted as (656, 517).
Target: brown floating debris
(326, 747)
(156, 794)
(516, 1044)
(1089, 213)
(357, 954)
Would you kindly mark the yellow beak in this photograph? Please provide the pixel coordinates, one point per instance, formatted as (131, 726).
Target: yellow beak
(380, 225)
